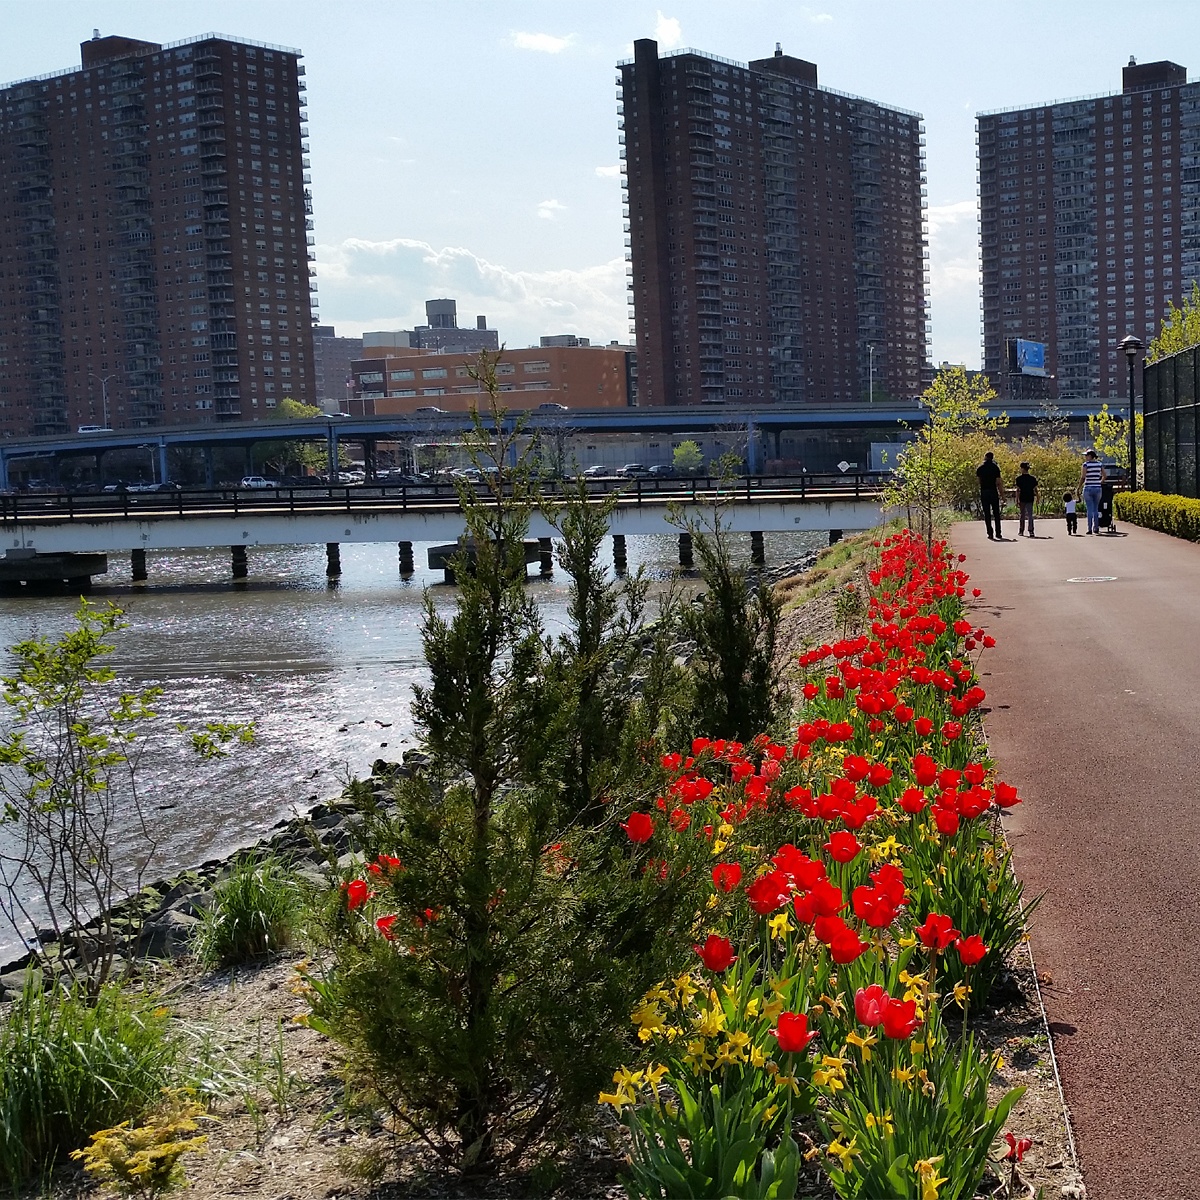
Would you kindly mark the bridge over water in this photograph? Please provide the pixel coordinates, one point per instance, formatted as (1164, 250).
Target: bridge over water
(46, 526)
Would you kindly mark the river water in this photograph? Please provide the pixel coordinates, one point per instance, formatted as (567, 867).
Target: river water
(324, 671)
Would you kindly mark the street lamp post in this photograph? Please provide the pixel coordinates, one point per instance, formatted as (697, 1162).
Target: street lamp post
(103, 393)
(871, 374)
(1132, 347)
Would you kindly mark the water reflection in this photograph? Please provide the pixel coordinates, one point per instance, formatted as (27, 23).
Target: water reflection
(326, 673)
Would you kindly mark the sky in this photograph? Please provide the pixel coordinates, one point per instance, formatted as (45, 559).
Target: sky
(468, 148)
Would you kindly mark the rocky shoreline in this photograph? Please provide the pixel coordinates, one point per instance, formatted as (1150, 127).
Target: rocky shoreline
(159, 920)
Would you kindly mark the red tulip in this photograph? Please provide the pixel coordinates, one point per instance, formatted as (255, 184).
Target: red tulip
(357, 893)
(793, 1033)
(843, 847)
(946, 820)
(923, 726)
(899, 1018)
(879, 776)
(925, 770)
(1006, 795)
(1016, 1147)
(639, 827)
(874, 907)
(769, 892)
(937, 932)
(869, 1004)
(716, 953)
(912, 800)
(952, 730)
(855, 767)
(846, 946)
(827, 898)
(970, 949)
(726, 876)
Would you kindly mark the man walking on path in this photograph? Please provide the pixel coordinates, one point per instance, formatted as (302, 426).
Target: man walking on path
(1027, 487)
(988, 475)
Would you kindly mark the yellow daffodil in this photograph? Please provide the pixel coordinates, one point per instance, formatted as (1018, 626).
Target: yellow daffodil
(724, 830)
(772, 1009)
(961, 992)
(628, 1080)
(863, 1043)
(928, 1178)
(698, 1056)
(709, 1021)
(769, 1113)
(654, 1075)
(685, 989)
(836, 1005)
(757, 1057)
(752, 1006)
(845, 1151)
(718, 847)
(648, 1019)
(779, 926)
(906, 941)
(884, 1123)
(618, 1099)
(902, 1074)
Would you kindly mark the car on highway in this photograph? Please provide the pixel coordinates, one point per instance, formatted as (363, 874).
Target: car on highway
(599, 471)
(430, 410)
(662, 471)
(552, 406)
(256, 482)
(634, 471)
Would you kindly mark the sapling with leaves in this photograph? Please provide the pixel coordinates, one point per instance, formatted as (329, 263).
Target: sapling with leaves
(69, 788)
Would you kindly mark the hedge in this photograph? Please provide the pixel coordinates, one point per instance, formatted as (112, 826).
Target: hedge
(1176, 515)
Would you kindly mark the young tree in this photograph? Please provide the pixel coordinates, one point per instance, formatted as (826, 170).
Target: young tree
(688, 458)
(485, 998)
(596, 658)
(69, 788)
(1180, 328)
(734, 624)
(1110, 435)
(938, 467)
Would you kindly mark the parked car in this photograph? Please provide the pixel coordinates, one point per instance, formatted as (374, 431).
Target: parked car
(662, 471)
(599, 471)
(634, 471)
(257, 482)
(430, 410)
(551, 406)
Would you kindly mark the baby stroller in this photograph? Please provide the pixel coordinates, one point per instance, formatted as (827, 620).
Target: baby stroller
(1107, 516)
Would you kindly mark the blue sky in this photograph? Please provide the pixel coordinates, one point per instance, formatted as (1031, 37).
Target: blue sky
(467, 148)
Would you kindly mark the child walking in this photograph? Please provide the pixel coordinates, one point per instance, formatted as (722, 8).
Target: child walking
(1072, 519)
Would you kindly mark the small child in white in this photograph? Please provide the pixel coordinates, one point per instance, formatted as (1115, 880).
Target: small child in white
(1072, 519)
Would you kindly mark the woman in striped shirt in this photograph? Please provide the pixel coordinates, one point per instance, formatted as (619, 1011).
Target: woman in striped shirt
(1090, 479)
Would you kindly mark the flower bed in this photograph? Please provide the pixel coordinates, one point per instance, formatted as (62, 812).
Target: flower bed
(1177, 515)
(861, 905)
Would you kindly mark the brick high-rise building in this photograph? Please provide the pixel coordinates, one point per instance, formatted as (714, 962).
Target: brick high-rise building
(154, 217)
(775, 234)
(1090, 224)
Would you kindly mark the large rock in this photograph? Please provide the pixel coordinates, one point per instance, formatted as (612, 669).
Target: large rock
(168, 935)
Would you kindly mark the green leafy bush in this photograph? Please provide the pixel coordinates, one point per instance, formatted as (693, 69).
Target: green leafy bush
(71, 1064)
(1177, 515)
(253, 914)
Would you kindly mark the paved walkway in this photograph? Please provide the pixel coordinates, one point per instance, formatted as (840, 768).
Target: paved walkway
(1095, 696)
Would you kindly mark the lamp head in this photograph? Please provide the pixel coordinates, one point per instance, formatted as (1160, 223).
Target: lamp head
(1132, 346)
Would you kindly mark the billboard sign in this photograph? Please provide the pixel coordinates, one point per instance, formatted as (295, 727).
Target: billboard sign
(1031, 358)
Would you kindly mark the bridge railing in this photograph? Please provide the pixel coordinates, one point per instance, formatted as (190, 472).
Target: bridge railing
(135, 504)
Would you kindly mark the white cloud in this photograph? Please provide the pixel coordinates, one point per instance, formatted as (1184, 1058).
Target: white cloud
(954, 281)
(549, 209)
(668, 33)
(609, 172)
(821, 18)
(383, 285)
(543, 43)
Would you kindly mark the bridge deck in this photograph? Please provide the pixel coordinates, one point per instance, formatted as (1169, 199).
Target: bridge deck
(284, 516)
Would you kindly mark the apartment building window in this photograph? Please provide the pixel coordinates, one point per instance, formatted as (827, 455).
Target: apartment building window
(536, 368)
(434, 373)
